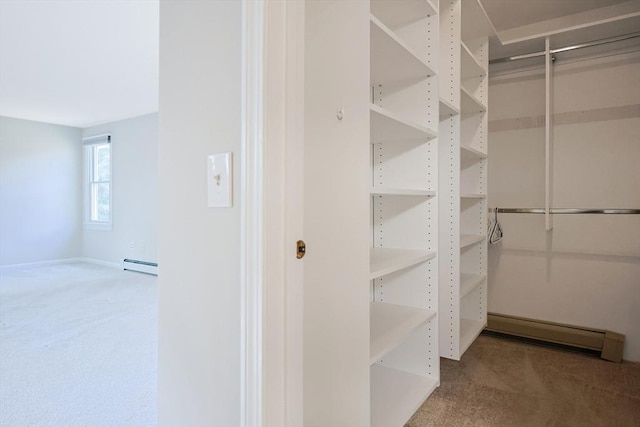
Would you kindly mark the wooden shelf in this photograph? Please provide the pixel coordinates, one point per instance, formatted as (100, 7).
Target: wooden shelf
(401, 192)
(387, 126)
(393, 62)
(473, 196)
(468, 282)
(391, 324)
(469, 331)
(400, 13)
(397, 395)
(470, 67)
(385, 260)
(469, 104)
(447, 109)
(468, 153)
(470, 239)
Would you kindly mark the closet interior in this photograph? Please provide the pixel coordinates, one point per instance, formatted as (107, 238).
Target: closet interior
(427, 175)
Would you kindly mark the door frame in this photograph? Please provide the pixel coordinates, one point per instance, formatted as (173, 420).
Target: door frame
(271, 220)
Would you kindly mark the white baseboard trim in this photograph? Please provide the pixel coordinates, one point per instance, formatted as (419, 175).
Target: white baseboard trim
(115, 265)
(44, 263)
(64, 261)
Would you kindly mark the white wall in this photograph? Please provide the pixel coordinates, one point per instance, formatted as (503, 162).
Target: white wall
(336, 211)
(198, 247)
(40, 191)
(586, 271)
(134, 150)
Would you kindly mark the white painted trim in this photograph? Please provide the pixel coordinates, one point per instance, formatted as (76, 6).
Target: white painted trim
(115, 265)
(45, 263)
(271, 219)
(65, 261)
(251, 194)
(283, 197)
(100, 226)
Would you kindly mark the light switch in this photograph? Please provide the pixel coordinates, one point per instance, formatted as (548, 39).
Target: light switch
(219, 180)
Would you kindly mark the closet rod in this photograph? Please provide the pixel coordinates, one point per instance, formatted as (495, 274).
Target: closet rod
(560, 211)
(566, 49)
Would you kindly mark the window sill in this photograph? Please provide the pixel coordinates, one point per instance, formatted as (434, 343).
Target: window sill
(102, 226)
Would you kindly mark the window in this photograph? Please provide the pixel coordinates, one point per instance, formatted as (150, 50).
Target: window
(98, 181)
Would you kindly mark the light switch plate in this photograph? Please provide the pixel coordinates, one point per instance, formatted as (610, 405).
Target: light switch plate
(220, 180)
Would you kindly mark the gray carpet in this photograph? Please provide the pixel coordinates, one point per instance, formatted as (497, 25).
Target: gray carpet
(500, 382)
(77, 347)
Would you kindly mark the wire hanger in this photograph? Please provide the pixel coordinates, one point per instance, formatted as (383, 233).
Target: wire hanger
(495, 231)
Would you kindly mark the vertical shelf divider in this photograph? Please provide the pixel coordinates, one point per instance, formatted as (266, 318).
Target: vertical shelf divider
(463, 175)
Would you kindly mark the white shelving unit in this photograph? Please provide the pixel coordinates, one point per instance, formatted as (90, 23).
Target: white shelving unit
(400, 393)
(387, 126)
(391, 324)
(469, 282)
(402, 192)
(394, 61)
(423, 111)
(404, 115)
(470, 67)
(467, 240)
(389, 260)
(447, 109)
(471, 154)
(470, 104)
(463, 175)
(473, 196)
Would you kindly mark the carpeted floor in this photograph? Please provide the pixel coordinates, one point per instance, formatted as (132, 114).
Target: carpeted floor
(500, 383)
(78, 347)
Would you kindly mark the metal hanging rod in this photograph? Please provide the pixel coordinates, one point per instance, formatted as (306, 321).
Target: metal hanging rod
(566, 49)
(562, 211)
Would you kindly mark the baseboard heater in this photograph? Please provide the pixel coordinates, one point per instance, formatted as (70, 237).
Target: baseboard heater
(140, 266)
(608, 344)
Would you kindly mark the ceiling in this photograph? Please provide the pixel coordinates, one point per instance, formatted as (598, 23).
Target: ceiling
(507, 14)
(78, 63)
(521, 26)
(81, 63)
